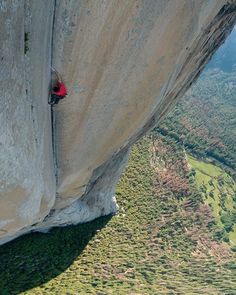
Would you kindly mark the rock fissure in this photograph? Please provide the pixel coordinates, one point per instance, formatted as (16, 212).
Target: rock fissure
(61, 166)
(52, 111)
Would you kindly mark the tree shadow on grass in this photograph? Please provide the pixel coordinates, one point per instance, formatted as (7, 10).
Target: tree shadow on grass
(34, 259)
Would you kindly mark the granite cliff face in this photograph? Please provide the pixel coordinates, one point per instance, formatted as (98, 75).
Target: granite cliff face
(125, 64)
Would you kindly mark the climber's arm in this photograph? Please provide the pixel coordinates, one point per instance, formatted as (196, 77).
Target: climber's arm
(58, 75)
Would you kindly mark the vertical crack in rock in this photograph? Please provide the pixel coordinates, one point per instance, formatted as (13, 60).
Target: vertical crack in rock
(103, 180)
(52, 112)
(27, 190)
(125, 65)
(98, 200)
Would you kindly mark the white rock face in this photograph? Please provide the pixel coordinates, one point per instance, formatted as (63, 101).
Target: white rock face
(124, 63)
(27, 178)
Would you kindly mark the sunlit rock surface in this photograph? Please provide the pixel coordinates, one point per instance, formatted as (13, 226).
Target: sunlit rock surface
(124, 63)
(27, 178)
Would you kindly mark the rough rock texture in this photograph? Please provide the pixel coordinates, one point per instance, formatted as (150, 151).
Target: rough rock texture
(125, 63)
(27, 178)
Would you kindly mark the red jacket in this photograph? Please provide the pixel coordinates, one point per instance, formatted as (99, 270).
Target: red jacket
(62, 89)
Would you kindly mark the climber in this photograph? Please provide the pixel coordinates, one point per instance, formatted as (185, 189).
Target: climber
(58, 91)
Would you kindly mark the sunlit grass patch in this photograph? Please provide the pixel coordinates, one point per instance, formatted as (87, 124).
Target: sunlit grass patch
(150, 247)
(219, 191)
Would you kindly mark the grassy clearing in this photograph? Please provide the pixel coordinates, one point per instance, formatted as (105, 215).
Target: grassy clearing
(207, 169)
(219, 191)
(147, 249)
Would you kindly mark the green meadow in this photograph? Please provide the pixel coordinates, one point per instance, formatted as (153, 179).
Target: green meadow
(219, 191)
(156, 244)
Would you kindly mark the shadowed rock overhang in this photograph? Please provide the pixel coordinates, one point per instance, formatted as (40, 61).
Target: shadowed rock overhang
(125, 64)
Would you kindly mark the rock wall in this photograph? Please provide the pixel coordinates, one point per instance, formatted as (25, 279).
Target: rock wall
(124, 62)
(27, 178)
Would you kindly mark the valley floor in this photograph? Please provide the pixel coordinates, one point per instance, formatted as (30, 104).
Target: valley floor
(219, 192)
(161, 242)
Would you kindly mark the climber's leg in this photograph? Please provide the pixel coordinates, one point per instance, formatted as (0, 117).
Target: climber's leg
(57, 99)
(54, 99)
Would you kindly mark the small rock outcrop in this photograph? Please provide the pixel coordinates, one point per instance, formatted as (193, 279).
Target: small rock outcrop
(125, 64)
